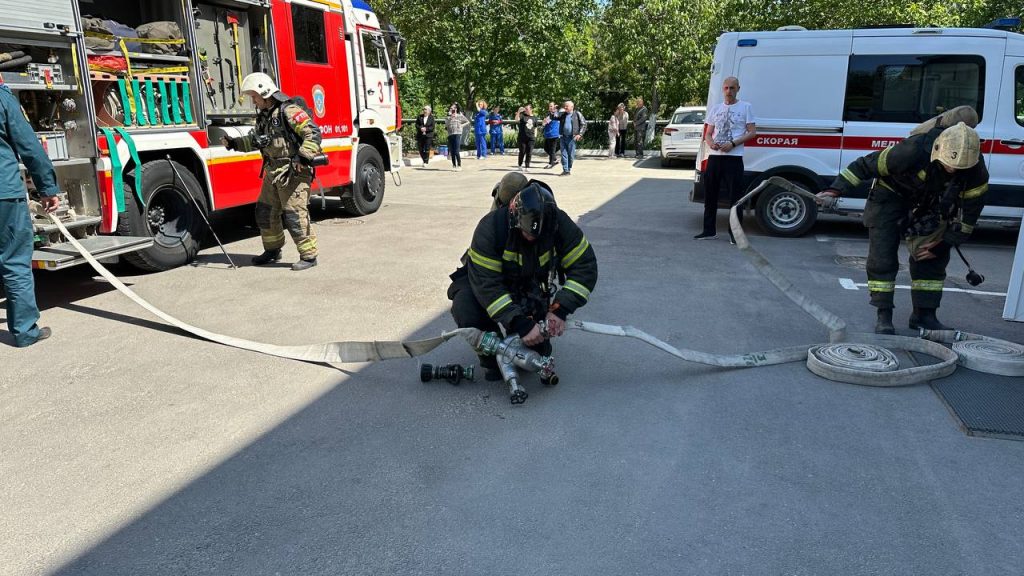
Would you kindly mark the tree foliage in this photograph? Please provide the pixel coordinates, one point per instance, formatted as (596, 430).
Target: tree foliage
(598, 52)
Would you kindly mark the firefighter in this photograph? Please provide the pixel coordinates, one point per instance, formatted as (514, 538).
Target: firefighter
(19, 142)
(508, 275)
(928, 189)
(289, 141)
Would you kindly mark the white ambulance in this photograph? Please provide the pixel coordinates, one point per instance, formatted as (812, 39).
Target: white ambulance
(823, 98)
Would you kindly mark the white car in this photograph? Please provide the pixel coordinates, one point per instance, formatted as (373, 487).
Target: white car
(681, 138)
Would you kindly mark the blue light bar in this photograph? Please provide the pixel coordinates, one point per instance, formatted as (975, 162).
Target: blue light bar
(743, 42)
(1008, 24)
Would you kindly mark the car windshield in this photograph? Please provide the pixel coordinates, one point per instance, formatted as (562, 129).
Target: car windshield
(693, 117)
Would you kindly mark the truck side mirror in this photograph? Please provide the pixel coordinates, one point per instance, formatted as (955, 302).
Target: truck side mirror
(400, 65)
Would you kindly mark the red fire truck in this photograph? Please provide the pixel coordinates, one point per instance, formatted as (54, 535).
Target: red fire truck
(131, 99)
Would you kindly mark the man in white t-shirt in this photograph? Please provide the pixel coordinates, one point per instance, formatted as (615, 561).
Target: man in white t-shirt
(731, 123)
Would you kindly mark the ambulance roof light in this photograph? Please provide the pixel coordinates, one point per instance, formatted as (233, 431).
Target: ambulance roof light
(1007, 24)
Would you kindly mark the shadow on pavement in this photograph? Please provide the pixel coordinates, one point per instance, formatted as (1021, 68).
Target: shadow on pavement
(634, 460)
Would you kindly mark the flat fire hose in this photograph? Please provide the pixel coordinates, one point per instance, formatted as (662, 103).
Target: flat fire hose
(331, 352)
(854, 358)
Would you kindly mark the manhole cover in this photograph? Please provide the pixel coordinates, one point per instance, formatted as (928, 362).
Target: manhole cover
(339, 221)
(858, 262)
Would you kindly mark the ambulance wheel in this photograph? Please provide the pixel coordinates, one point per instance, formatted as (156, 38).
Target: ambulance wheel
(368, 189)
(169, 217)
(782, 213)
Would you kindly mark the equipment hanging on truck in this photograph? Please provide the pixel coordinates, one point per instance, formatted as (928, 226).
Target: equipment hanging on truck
(171, 85)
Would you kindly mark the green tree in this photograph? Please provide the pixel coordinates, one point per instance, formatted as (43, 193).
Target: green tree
(504, 51)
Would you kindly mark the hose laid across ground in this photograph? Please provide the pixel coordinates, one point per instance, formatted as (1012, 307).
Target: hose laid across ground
(328, 353)
(854, 358)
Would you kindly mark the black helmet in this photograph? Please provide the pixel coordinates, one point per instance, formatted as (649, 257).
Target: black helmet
(530, 207)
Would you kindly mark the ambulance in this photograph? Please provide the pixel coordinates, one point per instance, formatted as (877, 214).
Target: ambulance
(823, 98)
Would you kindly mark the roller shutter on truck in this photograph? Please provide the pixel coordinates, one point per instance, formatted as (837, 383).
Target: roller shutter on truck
(40, 15)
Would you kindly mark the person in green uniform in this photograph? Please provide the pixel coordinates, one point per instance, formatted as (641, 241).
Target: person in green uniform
(289, 141)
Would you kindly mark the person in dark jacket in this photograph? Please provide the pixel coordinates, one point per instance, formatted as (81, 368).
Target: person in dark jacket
(526, 124)
(425, 133)
(640, 119)
(18, 142)
(508, 276)
(929, 189)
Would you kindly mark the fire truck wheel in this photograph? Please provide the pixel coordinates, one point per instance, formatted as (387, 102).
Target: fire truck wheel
(368, 189)
(782, 213)
(170, 217)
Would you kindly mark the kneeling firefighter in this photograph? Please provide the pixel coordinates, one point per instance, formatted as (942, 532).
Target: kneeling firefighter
(521, 251)
(930, 190)
(289, 141)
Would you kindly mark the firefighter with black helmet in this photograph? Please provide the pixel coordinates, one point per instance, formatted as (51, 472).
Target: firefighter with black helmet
(928, 189)
(528, 262)
(289, 141)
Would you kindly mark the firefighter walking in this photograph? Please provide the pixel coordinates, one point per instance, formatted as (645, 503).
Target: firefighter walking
(289, 141)
(929, 189)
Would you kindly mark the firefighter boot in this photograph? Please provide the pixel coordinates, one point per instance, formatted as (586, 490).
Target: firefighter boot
(883, 325)
(267, 257)
(925, 318)
(303, 265)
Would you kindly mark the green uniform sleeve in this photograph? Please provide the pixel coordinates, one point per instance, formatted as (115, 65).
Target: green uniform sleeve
(300, 122)
(579, 263)
(486, 279)
(26, 145)
(899, 159)
(244, 143)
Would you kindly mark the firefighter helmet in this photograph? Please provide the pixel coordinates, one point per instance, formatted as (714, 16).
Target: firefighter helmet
(530, 208)
(259, 83)
(507, 188)
(957, 147)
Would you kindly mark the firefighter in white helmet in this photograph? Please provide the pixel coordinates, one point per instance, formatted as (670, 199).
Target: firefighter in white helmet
(929, 189)
(289, 141)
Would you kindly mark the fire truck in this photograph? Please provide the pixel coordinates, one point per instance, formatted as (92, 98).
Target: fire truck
(131, 99)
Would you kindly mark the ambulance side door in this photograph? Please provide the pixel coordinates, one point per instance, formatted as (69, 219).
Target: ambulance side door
(895, 82)
(1005, 197)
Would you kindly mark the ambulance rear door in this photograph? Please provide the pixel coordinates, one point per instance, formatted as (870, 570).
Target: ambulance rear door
(1005, 198)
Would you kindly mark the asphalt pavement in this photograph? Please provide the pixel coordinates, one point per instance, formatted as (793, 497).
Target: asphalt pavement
(130, 448)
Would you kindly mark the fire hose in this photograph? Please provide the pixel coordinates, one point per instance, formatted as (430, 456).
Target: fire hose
(858, 358)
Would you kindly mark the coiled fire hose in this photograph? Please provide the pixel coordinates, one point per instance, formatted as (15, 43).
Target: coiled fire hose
(854, 358)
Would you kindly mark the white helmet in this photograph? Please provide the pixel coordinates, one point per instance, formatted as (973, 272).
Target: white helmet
(957, 147)
(259, 83)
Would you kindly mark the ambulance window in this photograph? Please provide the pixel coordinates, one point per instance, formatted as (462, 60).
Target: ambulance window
(308, 29)
(1018, 95)
(912, 88)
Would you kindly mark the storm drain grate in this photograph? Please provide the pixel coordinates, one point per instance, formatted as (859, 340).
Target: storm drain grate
(985, 404)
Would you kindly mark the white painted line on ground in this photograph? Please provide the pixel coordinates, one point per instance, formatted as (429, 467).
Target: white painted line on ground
(849, 284)
(822, 238)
